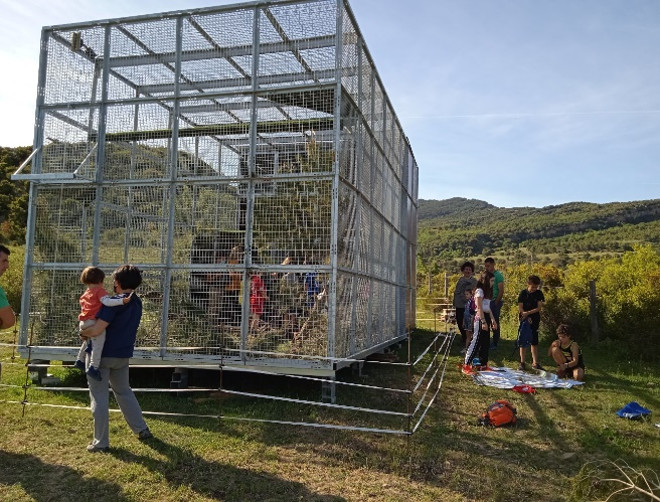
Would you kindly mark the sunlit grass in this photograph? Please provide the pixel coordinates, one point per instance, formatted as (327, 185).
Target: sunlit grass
(450, 458)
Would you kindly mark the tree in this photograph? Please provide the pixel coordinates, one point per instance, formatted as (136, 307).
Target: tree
(13, 196)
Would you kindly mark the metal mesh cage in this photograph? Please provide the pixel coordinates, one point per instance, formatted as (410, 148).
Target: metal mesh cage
(230, 153)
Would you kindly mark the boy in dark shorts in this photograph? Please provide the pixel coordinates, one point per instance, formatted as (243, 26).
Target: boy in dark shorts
(530, 304)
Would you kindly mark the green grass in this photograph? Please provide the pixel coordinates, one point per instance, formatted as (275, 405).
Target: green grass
(450, 458)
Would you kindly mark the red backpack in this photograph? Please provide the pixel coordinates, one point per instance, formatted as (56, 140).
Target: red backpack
(498, 414)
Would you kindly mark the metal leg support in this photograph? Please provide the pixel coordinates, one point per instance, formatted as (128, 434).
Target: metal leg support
(328, 391)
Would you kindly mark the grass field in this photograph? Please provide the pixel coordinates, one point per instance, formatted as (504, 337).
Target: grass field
(547, 456)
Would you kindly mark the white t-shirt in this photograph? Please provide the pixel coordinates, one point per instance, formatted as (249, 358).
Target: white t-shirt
(485, 304)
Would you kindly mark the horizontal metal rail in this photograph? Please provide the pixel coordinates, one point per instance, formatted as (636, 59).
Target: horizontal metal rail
(225, 417)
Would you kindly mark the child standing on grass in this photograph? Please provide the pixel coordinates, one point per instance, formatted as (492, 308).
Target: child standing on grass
(483, 321)
(91, 301)
(567, 354)
(530, 304)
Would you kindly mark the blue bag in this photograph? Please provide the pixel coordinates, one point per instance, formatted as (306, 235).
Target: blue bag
(524, 333)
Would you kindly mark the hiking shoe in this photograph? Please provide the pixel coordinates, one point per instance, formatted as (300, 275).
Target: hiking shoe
(92, 448)
(94, 373)
(79, 364)
(145, 434)
(537, 366)
(521, 367)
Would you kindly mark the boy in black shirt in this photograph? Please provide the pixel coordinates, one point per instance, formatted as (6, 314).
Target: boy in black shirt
(530, 304)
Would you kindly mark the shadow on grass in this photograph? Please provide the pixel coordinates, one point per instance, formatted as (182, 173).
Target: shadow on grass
(448, 450)
(45, 482)
(603, 379)
(217, 480)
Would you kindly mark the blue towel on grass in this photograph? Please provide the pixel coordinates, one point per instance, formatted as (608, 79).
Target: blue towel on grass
(633, 410)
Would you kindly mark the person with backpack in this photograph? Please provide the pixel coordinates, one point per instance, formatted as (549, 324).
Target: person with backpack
(530, 304)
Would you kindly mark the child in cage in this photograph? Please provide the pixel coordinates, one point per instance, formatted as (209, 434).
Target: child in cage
(258, 298)
(90, 303)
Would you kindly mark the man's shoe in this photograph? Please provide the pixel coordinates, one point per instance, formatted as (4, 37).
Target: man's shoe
(79, 364)
(92, 448)
(94, 373)
(537, 366)
(521, 366)
(145, 434)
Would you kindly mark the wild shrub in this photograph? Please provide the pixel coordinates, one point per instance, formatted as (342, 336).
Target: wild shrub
(12, 279)
(627, 296)
(627, 299)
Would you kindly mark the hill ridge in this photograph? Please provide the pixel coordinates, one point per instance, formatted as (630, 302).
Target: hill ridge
(459, 227)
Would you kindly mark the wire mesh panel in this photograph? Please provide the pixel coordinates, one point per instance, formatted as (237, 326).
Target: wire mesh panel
(132, 226)
(247, 159)
(294, 220)
(54, 308)
(66, 148)
(205, 313)
(351, 51)
(348, 206)
(71, 69)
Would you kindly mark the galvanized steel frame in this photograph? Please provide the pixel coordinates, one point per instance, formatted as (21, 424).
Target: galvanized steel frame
(104, 68)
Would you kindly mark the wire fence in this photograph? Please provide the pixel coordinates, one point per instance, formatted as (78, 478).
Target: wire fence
(418, 387)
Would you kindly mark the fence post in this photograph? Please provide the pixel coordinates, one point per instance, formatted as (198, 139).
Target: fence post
(593, 314)
(446, 285)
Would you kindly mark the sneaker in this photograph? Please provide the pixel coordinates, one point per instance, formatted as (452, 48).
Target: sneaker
(537, 366)
(79, 364)
(94, 373)
(145, 434)
(92, 448)
(521, 367)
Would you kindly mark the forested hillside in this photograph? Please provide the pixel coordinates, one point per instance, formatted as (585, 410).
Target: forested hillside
(13, 196)
(454, 229)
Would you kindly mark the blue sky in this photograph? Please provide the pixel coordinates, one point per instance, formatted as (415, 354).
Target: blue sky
(515, 102)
